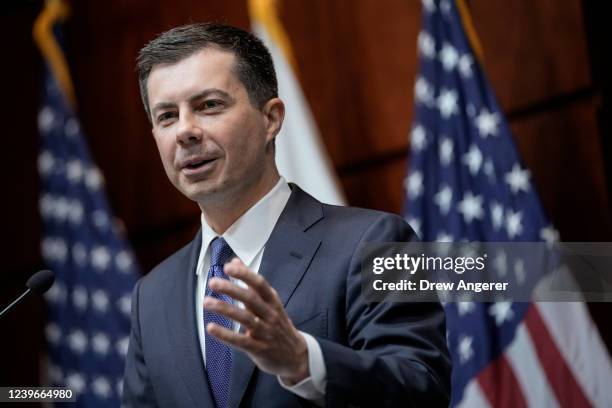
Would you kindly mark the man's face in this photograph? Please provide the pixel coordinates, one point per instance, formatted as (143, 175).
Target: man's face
(214, 144)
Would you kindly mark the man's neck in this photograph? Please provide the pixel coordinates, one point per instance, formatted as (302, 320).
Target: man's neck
(222, 214)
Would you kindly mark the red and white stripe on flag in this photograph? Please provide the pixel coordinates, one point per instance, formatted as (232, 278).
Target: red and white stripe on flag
(557, 359)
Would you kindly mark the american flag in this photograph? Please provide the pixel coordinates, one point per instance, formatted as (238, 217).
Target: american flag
(466, 182)
(89, 304)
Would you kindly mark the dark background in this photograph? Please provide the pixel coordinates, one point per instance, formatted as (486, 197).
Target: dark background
(546, 59)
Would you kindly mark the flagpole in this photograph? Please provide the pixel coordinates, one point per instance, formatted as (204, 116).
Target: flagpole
(267, 12)
(470, 31)
(42, 32)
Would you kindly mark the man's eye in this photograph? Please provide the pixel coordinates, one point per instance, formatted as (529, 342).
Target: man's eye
(165, 117)
(210, 104)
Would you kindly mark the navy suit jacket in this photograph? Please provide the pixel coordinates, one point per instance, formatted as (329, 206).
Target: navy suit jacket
(376, 354)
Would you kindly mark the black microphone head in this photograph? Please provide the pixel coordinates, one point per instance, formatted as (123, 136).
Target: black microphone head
(41, 281)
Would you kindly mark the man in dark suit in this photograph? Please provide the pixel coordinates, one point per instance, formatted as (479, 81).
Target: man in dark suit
(284, 322)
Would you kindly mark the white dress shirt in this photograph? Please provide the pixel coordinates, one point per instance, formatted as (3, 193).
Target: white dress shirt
(247, 237)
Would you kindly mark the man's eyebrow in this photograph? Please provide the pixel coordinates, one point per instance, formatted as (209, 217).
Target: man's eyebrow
(200, 95)
(161, 105)
(208, 92)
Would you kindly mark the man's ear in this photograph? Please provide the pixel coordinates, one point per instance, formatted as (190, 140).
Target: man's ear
(274, 113)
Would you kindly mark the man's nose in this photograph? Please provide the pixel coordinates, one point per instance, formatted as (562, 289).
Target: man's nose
(188, 131)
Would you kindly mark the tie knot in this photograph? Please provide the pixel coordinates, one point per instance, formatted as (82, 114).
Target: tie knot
(220, 252)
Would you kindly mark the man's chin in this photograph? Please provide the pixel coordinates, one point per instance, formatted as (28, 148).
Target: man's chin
(202, 193)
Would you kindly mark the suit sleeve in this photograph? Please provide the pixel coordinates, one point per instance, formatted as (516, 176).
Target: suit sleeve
(396, 352)
(137, 387)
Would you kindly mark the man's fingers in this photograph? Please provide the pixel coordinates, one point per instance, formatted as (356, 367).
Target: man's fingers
(249, 297)
(237, 269)
(252, 325)
(242, 316)
(235, 339)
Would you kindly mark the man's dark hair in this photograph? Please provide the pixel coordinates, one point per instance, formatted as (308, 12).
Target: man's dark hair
(253, 67)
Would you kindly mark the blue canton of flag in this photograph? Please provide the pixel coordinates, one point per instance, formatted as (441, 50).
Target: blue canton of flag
(89, 304)
(466, 183)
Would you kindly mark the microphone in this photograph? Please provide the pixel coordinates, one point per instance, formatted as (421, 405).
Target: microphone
(38, 283)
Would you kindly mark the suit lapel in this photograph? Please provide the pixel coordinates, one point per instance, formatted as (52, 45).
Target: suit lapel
(286, 258)
(180, 302)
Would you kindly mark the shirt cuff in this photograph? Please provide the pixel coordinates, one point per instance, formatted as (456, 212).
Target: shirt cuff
(311, 388)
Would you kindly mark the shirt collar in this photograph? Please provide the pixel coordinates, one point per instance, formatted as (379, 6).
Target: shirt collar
(249, 233)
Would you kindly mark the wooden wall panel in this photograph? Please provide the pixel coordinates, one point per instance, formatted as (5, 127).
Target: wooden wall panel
(379, 187)
(357, 64)
(562, 150)
(21, 330)
(18, 168)
(533, 49)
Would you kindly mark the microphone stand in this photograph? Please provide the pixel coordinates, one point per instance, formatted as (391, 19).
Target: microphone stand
(15, 301)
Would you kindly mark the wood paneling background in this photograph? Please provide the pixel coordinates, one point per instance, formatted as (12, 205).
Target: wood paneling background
(357, 62)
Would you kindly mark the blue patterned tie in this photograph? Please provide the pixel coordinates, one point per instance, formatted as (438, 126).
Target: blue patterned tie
(218, 354)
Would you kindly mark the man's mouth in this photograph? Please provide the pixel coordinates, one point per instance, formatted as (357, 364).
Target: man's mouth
(197, 164)
(197, 167)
